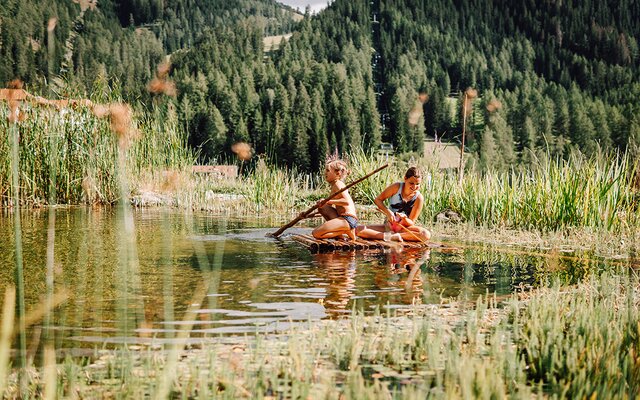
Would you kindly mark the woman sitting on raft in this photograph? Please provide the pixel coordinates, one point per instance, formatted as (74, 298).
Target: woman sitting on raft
(405, 205)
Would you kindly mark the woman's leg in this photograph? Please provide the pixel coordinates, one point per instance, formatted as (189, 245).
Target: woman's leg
(375, 232)
(370, 231)
(331, 229)
(415, 233)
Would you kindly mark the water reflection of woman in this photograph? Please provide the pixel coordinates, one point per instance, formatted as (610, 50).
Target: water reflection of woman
(340, 268)
(402, 269)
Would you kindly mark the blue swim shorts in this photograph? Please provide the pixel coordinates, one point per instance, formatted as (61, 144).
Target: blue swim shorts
(352, 221)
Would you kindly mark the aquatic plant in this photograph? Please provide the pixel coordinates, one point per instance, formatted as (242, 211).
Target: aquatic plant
(85, 163)
(595, 192)
(577, 342)
(361, 163)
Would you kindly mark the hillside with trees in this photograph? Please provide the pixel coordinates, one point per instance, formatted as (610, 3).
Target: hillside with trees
(122, 40)
(551, 78)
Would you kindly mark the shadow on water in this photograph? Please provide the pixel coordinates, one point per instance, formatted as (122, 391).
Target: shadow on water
(208, 279)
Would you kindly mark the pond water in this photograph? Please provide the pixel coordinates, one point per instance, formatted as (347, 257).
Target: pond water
(135, 283)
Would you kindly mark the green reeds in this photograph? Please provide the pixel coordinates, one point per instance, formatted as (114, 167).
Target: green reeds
(554, 196)
(362, 163)
(558, 195)
(19, 267)
(584, 342)
(6, 333)
(85, 163)
(270, 187)
(573, 342)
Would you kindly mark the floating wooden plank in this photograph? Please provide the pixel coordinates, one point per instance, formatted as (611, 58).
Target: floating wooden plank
(323, 245)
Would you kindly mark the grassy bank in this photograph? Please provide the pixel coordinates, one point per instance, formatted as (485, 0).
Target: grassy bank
(598, 194)
(575, 342)
(587, 204)
(81, 151)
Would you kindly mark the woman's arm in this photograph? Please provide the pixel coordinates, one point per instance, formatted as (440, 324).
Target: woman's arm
(343, 200)
(416, 210)
(386, 193)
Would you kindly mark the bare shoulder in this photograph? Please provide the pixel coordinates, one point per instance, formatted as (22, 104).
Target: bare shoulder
(339, 184)
(390, 190)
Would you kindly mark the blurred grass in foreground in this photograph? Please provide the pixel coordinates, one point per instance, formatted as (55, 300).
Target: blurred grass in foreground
(576, 342)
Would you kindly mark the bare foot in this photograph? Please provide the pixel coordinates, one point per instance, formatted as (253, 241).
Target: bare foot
(352, 234)
(396, 237)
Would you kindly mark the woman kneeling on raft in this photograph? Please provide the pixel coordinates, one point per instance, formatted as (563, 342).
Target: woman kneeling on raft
(340, 212)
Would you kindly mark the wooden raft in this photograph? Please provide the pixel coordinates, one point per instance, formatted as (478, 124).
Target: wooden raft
(322, 245)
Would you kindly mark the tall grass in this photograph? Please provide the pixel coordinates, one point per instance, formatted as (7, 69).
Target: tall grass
(361, 163)
(585, 342)
(269, 187)
(595, 193)
(84, 167)
(19, 265)
(558, 195)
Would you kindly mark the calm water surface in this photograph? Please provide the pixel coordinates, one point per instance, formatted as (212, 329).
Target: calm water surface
(138, 287)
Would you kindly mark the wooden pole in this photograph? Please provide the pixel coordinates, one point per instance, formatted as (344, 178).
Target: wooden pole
(412, 234)
(464, 127)
(318, 205)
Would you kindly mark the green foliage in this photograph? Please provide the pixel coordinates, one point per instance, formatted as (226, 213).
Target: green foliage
(568, 84)
(85, 147)
(562, 342)
(595, 192)
(587, 345)
(270, 188)
(361, 164)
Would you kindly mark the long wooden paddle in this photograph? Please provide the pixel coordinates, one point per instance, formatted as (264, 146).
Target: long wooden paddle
(317, 205)
(412, 234)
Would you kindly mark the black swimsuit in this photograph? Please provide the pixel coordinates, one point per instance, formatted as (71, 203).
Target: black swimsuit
(397, 203)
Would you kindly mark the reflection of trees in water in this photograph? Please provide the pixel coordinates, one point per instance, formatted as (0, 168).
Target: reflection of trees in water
(340, 268)
(402, 269)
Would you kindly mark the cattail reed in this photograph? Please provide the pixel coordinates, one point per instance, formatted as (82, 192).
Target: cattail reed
(469, 95)
(242, 150)
(6, 333)
(15, 95)
(160, 84)
(417, 110)
(86, 4)
(51, 231)
(121, 122)
(51, 45)
(128, 286)
(16, 91)
(493, 105)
